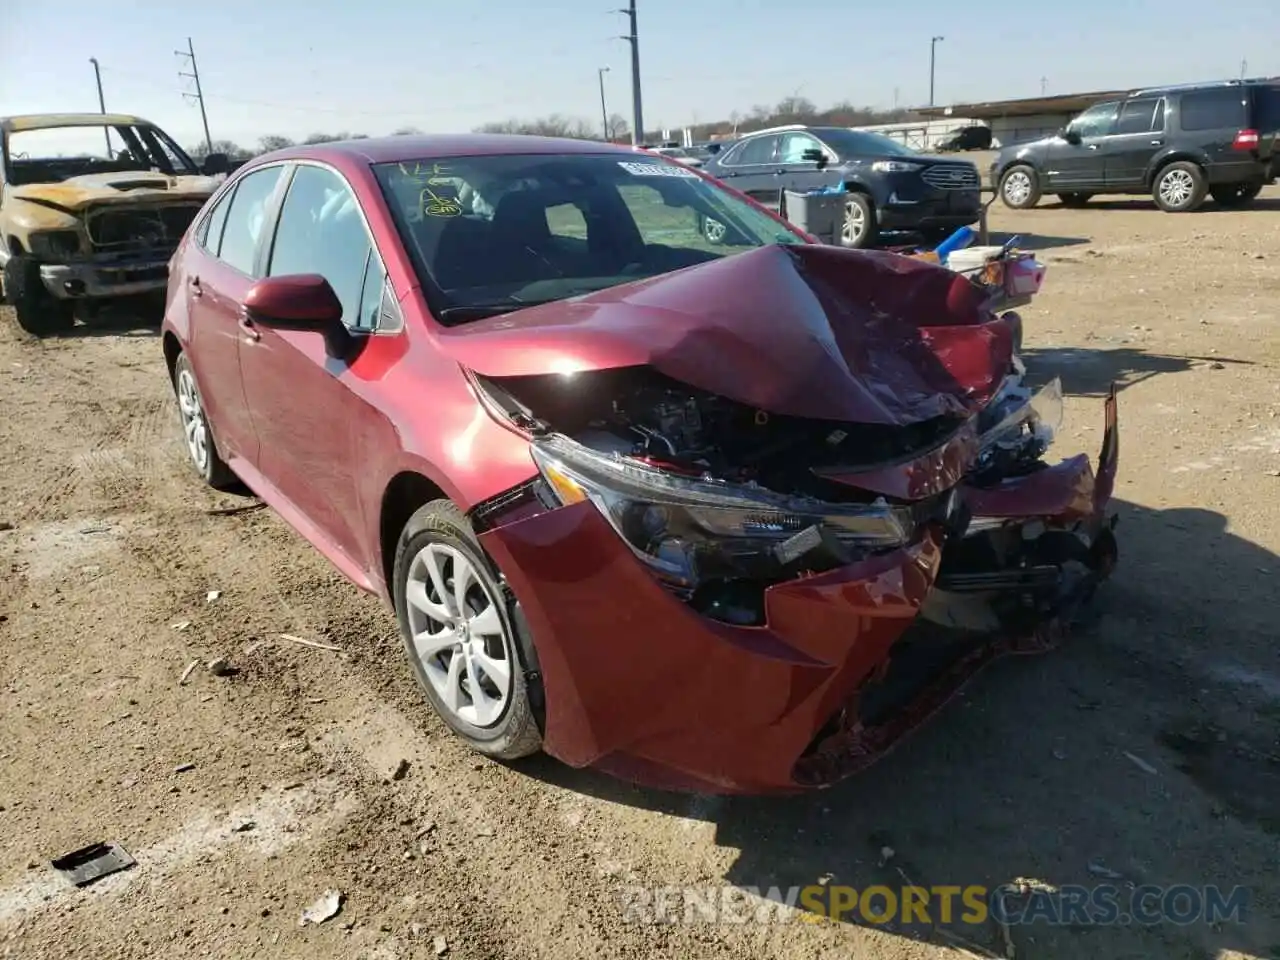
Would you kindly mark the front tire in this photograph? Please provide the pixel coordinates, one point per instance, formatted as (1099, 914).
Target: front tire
(1020, 187)
(202, 450)
(1179, 188)
(1235, 194)
(39, 312)
(463, 635)
(859, 228)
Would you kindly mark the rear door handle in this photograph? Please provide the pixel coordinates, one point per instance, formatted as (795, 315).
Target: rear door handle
(1093, 146)
(1157, 143)
(193, 284)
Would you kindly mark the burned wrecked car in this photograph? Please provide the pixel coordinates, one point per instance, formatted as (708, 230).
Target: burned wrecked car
(91, 208)
(726, 517)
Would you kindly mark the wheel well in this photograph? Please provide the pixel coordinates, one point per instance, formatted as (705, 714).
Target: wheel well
(404, 494)
(1166, 161)
(15, 247)
(856, 188)
(171, 350)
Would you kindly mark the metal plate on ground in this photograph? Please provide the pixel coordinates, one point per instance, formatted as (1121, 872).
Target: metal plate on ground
(98, 860)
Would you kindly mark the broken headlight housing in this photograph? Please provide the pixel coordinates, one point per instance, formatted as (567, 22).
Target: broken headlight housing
(1018, 425)
(689, 529)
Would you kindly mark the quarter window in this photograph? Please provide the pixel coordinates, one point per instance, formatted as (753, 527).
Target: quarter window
(245, 218)
(210, 234)
(1220, 109)
(321, 231)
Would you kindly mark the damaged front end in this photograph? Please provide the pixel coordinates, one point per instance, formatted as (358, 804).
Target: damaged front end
(111, 250)
(733, 595)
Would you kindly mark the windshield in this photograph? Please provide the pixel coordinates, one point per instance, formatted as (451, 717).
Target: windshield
(54, 154)
(859, 143)
(496, 233)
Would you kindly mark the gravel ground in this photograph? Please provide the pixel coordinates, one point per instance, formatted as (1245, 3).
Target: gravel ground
(1147, 746)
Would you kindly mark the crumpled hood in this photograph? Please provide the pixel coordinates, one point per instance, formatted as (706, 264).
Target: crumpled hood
(91, 189)
(807, 331)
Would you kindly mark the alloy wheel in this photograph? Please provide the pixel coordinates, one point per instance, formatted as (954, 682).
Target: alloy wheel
(855, 223)
(458, 635)
(1017, 188)
(1176, 187)
(194, 428)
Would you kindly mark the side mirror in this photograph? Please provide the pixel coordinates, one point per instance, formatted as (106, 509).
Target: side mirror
(215, 164)
(814, 155)
(303, 301)
(1071, 136)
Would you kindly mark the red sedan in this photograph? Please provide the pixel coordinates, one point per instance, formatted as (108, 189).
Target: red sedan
(652, 482)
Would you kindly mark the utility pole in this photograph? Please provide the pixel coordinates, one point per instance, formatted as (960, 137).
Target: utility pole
(933, 62)
(604, 111)
(102, 104)
(1044, 85)
(637, 115)
(198, 96)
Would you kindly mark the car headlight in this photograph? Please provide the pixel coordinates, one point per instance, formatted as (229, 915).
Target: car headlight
(688, 528)
(1020, 418)
(894, 166)
(55, 244)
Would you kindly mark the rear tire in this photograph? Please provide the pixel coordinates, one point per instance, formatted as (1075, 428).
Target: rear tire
(859, 228)
(39, 312)
(1020, 187)
(1075, 200)
(1235, 194)
(1179, 188)
(202, 449)
(474, 659)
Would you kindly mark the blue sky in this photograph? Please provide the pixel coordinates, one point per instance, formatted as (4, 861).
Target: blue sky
(296, 68)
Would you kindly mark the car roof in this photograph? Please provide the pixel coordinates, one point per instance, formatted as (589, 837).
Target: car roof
(405, 147)
(1193, 87)
(49, 121)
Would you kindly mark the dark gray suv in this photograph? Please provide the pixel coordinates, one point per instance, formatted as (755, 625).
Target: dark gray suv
(890, 186)
(1178, 144)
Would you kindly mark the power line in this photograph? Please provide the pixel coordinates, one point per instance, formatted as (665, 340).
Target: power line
(198, 96)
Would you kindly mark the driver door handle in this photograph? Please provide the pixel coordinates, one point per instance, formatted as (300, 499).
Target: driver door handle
(193, 284)
(1157, 143)
(1093, 146)
(247, 328)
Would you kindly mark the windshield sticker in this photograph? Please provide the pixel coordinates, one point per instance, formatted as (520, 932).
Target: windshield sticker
(432, 173)
(439, 205)
(657, 170)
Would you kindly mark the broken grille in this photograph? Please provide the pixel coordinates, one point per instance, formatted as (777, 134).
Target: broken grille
(949, 177)
(154, 230)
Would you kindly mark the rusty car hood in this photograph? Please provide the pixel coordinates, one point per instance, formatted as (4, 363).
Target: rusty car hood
(807, 331)
(93, 189)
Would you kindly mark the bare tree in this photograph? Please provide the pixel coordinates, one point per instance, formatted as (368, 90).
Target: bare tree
(555, 125)
(406, 132)
(274, 142)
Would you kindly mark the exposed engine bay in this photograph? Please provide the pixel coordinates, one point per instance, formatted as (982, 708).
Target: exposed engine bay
(722, 500)
(639, 414)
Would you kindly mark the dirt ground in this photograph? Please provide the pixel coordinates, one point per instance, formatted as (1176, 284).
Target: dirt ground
(1148, 746)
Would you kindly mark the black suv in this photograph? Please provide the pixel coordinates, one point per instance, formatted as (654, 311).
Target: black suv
(890, 186)
(1176, 143)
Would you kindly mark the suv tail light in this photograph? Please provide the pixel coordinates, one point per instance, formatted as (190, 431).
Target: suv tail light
(1246, 140)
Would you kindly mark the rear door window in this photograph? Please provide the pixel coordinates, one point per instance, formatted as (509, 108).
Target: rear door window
(757, 151)
(1140, 116)
(1214, 109)
(246, 219)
